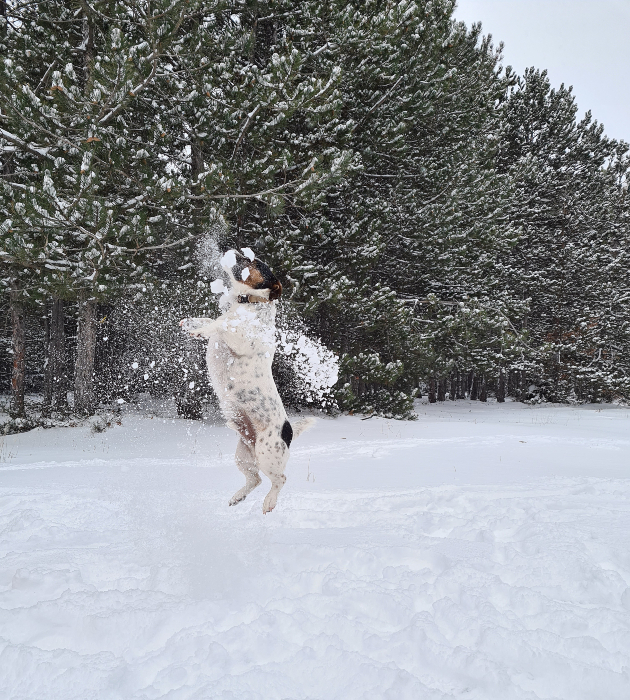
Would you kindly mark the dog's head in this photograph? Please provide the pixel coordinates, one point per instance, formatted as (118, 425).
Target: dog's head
(247, 273)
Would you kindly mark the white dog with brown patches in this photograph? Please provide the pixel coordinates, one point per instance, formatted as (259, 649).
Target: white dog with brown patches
(240, 352)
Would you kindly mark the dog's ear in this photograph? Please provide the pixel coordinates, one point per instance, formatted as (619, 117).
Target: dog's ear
(275, 291)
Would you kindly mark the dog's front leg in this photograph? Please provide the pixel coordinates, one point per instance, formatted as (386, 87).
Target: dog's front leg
(199, 327)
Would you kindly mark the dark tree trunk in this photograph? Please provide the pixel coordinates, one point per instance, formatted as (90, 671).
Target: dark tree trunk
(579, 391)
(461, 389)
(58, 355)
(86, 347)
(432, 390)
(48, 371)
(441, 390)
(501, 387)
(521, 390)
(18, 344)
(470, 382)
(452, 392)
(474, 389)
(483, 388)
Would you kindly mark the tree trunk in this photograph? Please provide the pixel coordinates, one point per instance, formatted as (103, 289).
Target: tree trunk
(452, 392)
(474, 389)
(48, 372)
(521, 390)
(483, 388)
(470, 382)
(441, 390)
(432, 390)
(461, 389)
(58, 355)
(512, 383)
(86, 347)
(501, 387)
(17, 408)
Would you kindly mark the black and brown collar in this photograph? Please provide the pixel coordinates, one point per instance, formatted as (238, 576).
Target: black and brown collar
(251, 299)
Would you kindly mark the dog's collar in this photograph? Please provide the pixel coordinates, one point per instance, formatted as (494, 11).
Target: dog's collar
(250, 299)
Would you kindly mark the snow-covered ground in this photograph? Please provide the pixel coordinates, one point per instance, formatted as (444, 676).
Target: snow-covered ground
(482, 552)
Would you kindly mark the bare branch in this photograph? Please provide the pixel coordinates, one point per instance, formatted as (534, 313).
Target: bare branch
(248, 121)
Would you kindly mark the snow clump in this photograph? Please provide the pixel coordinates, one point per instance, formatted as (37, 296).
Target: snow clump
(315, 367)
(218, 287)
(208, 250)
(228, 260)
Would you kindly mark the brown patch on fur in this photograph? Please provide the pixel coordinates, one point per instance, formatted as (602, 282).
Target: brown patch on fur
(254, 279)
(276, 291)
(233, 355)
(243, 425)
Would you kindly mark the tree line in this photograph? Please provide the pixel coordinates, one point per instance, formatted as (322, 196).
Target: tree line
(441, 223)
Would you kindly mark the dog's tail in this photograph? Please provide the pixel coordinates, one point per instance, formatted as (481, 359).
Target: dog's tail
(302, 425)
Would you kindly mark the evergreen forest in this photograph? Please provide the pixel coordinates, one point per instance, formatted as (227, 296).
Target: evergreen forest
(444, 226)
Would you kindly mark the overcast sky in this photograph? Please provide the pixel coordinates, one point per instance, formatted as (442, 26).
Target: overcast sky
(584, 43)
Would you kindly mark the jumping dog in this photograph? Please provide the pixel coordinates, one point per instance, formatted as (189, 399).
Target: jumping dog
(241, 346)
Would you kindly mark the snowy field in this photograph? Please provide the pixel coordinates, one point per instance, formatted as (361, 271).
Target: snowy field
(481, 552)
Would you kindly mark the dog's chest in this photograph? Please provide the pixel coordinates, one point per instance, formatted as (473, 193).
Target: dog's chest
(249, 328)
(241, 350)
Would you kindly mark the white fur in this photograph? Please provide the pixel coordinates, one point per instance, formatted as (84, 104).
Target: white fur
(241, 346)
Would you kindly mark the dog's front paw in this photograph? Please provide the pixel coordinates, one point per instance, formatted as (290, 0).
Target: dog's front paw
(192, 326)
(188, 324)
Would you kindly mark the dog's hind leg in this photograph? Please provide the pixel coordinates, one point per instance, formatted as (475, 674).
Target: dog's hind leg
(246, 462)
(271, 461)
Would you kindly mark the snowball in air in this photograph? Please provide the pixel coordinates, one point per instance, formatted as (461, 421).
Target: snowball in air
(248, 253)
(134, 365)
(244, 273)
(228, 260)
(217, 287)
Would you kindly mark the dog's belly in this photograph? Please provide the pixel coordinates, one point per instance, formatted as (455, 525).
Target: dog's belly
(245, 388)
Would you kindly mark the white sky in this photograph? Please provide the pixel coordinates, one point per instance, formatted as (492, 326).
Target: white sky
(584, 43)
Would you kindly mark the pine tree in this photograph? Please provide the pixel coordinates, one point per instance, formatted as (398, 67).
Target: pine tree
(571, 260)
